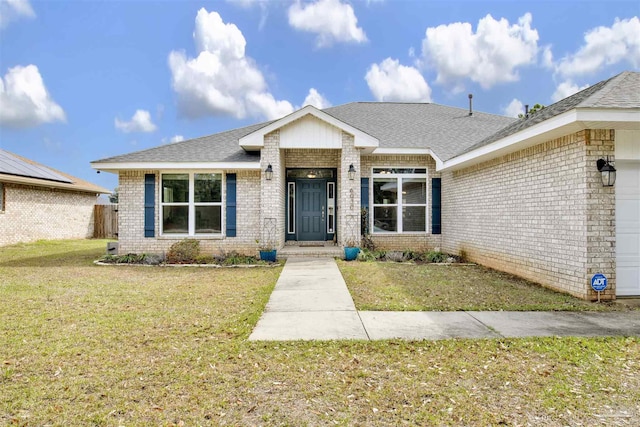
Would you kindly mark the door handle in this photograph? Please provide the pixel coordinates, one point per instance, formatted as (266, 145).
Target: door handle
(323, 213)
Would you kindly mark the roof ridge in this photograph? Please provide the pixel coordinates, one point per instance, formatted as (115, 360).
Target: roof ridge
(609, 85)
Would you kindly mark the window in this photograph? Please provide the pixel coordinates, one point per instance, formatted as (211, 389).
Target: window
(1, 197)
(399, 200)
(192, 203)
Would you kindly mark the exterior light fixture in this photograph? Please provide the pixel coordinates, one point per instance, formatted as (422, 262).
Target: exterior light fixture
(312, 174)
(352, 172)
(608, 172)
(268, 172)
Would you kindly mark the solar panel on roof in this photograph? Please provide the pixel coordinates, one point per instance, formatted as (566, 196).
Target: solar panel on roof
(12, 165)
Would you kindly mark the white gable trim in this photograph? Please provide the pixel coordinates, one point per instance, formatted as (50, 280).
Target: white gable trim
(255, 140)
(115, 167)
(555, 127)
(408, 151)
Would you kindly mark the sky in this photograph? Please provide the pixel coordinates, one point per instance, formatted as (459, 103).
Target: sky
(85, 80)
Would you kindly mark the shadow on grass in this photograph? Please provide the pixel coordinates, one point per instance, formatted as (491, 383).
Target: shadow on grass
(71, 258)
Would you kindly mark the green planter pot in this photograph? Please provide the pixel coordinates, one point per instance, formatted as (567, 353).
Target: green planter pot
(351, 254)
(268, 255)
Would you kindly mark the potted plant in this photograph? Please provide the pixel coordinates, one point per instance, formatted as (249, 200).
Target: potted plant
(267, 250)
(351, 250)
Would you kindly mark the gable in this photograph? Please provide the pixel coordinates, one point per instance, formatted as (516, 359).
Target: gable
(310, 132)
(255, 140)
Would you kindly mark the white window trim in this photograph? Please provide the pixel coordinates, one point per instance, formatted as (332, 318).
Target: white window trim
(399, 225)
(192, 205)
(291, 191)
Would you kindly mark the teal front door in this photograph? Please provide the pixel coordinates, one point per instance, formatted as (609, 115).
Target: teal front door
(311, 209)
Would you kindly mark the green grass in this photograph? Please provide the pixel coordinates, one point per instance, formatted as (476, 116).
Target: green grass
(389, 286)
(118, 345)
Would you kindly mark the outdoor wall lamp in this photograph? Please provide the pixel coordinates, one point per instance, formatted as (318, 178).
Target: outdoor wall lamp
(268, 172)
(352, 172)
(608, 172)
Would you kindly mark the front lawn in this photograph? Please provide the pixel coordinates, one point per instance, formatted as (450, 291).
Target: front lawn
(87, 345)
(389, 286)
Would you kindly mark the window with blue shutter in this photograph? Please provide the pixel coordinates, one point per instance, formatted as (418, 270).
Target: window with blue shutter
(231, 205)
(436, 206)
(149, 204)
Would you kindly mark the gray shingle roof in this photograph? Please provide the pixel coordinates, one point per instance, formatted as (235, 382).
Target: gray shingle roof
(219, 147)
(620, 91)
(447, 131)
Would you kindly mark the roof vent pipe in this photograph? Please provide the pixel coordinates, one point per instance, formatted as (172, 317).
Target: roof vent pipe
(526, 110)
(471, 104)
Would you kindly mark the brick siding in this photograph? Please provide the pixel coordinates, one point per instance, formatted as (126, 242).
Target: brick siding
(540, 213)
(131, 216)
(33, 213)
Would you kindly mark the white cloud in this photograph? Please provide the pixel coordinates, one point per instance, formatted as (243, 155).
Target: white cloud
(173, 139)
(332, 20)
(316, 99)
(565, 89)
(547, 58)
(140, 122)
(489, 56)
(514, 108)
(605, 46)
(10, 10)
(221, 80)
(25, 101)
(390, 81)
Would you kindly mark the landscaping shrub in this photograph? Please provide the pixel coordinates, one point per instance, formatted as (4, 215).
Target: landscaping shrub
(185, 251)
(234, 258)
(435, 256)
(395, 256)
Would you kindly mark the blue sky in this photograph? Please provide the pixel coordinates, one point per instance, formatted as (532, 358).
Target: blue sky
(84, 80)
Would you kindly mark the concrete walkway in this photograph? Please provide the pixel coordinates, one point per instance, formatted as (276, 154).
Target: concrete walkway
(311, 302)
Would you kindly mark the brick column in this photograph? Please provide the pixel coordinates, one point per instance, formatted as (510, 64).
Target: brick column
(349, 192)
(272, 197)
(601, 213)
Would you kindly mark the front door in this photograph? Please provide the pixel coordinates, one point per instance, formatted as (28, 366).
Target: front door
(311, 209)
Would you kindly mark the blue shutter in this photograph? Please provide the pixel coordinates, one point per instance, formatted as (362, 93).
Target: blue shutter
(149, 204)
(364, 203)
(436, 206)
(364, 193)
(231, 205)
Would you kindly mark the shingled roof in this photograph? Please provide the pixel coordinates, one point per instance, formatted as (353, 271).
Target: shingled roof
(18, 169)
(620, 91)
(446, 131)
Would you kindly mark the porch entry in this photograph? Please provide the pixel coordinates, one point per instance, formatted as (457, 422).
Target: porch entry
(311, 204)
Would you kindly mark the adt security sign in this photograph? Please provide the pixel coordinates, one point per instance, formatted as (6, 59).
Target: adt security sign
(599, 282)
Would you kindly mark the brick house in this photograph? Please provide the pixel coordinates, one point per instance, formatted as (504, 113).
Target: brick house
(519, 195)
(37, 202)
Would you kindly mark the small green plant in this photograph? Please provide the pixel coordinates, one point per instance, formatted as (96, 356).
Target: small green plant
(234, 258)
(435, 256)
(185, 251)
(205, 259)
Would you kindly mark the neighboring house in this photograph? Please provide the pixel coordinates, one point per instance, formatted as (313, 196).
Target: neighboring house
(519, 195)
(37, 202)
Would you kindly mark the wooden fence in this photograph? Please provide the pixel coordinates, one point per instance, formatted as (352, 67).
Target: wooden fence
(105, 221)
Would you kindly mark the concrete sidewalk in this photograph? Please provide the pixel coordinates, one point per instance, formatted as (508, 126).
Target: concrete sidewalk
(311, 302)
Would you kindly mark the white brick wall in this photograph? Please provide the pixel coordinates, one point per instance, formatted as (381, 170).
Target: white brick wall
(131, 216)
(34, 213)
(540, 213)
